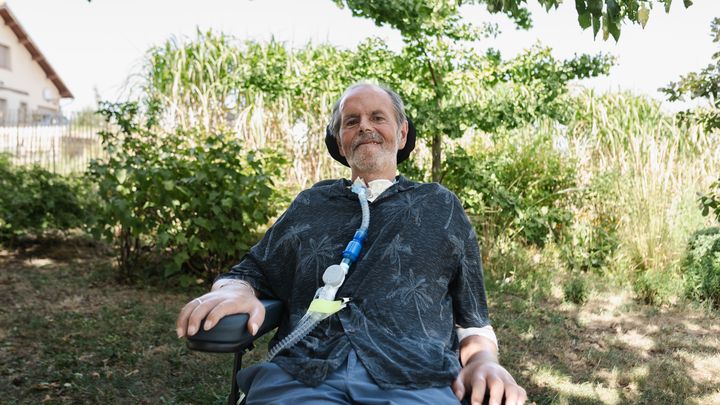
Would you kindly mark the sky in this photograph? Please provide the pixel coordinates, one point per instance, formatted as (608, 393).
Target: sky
(100, 44)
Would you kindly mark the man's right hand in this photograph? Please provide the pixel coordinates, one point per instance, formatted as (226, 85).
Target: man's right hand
(228, 300)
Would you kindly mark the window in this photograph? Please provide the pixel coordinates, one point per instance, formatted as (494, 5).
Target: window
(3, 111)
(4, 57)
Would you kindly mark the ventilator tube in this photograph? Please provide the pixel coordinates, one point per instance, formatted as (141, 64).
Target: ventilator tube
(333, 277)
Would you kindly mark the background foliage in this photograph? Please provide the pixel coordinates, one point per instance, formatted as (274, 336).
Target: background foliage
(575, 181)
(702, 267)
(704, 84)
(584, 202)
(195, 198)
(34, 200)
(514, 185)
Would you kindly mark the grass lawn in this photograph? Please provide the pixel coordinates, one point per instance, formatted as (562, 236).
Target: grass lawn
(69, 334)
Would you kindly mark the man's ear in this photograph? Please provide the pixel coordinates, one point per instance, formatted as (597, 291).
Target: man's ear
(403, 135)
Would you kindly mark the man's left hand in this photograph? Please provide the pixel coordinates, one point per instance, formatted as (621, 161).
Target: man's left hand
(483, 373)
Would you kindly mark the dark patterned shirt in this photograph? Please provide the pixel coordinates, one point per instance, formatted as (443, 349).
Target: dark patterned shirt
(419, 274)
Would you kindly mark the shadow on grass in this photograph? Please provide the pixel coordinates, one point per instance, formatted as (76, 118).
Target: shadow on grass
(71, 335)
(611, 351)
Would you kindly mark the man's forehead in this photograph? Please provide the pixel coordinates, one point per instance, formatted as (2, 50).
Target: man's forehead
(366, 94)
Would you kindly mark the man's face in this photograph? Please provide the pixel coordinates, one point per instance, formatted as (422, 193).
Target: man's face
(369, 134)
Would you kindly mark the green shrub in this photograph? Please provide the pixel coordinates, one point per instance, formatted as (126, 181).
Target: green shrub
(516, 269)
(194, 200)
(592, 240)
(34, 200)
(701, 267)
(654, 287)
(710, 202)
(518, 186)
(575, 290)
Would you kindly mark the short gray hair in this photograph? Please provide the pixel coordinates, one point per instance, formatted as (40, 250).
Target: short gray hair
(398, 106)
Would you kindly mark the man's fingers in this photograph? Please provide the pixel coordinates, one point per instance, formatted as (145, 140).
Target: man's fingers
(489, 381)
(478, 390)
(182, 320)
(256, 317)
(515, 395)
(198, 314)
(497, 388)
(218, 312)
(458, 387)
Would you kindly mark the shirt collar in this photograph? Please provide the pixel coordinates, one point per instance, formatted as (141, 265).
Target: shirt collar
(342, 186)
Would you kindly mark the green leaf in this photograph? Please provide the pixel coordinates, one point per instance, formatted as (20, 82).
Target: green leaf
(169, 185)
(121, 176)
(643, 15)
(596, 25)
(614, 28)
(180, 258)
(171, 269)
(163, 238)
(687, 3)
(580, 6)
(613, 10)
(203, 223)
(595, 7)
(585, 20)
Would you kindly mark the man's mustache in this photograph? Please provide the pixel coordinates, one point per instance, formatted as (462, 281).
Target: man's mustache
(366, 137)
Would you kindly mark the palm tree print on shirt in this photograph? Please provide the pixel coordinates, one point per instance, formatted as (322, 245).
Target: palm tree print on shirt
(317, 254)
(412, 289)
(407, 209)
(466, 266)
(291, 238)
(448, 200)
(394, 249)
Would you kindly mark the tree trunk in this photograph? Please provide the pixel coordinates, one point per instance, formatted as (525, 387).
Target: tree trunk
(436, 157)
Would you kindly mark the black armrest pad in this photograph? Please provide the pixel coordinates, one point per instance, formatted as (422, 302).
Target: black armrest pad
(231, 335)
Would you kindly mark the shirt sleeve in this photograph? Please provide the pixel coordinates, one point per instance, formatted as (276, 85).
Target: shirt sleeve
(467, 289)
(272, 256)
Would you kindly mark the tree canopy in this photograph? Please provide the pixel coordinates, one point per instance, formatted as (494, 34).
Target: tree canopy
(415, 18)
(703, 84)
(441, 68)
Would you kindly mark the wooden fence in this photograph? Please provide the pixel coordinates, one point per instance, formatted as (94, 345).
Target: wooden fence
(62, 148)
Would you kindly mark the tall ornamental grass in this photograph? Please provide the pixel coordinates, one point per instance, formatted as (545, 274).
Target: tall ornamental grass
(661, 166)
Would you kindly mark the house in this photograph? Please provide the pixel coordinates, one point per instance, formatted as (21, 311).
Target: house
(30, 89)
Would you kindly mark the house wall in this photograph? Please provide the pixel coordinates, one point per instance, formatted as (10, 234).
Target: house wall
(25, 81)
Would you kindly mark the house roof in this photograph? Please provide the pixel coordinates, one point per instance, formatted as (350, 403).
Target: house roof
(37, 56)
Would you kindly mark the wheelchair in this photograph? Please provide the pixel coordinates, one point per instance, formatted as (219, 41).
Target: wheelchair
(230, 335)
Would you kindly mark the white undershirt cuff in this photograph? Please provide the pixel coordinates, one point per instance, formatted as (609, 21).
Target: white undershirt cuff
(485, 331)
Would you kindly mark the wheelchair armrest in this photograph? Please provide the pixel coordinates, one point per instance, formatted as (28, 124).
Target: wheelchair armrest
(230, 335)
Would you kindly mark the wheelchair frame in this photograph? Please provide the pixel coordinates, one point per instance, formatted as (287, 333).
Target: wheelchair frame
(230, 335)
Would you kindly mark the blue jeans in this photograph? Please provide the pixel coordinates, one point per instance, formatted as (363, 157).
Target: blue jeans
(268, 384)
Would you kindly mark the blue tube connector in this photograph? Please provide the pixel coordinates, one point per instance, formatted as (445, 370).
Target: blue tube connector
(352, 251)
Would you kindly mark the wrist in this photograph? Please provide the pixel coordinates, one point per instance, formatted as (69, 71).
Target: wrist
(239, 285)
(482, 357)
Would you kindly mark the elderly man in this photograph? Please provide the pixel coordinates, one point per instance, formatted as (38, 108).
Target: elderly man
(415, 296)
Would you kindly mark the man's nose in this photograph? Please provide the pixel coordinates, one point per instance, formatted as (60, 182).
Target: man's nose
(365, 124)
